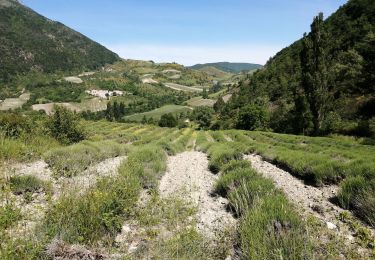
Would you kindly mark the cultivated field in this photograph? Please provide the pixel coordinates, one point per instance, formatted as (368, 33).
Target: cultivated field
(14, 103)
(157, 113)
(136, 191)
(183, 88)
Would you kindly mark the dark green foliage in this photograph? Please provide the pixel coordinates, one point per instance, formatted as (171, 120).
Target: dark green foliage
(252, 117)
(336, 74)
(203, 116)
(315, 71)
(30, 42)
(13, 125)
(219, 105)
(64, 126)
(115, 111)
(54, 92)
(204, 93)
(168, 120)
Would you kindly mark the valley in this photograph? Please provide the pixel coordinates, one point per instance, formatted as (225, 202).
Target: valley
(108, 157)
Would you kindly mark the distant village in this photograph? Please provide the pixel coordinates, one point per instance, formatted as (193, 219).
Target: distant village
(105, 94)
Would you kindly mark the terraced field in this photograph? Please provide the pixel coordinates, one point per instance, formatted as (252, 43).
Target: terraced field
(157, 113)
(139, 191)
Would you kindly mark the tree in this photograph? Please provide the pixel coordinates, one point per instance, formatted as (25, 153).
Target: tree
(109, 115)
(253, 117)
(64, 126)
(144, 120)
(203, 116)
(219, 105)
(168, 120)
(315, 71)
(204, 93)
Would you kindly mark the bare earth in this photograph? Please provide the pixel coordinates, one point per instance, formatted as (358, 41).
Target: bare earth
(309, 199)
(188, 176)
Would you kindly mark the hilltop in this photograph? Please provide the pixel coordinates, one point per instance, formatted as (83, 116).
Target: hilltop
(228, 66)
(31, 42)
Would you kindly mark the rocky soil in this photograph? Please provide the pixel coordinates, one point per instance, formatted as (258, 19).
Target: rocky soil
(188, 177)
(309, 199)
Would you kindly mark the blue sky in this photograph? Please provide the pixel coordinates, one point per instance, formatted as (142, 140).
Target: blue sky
(189, 31)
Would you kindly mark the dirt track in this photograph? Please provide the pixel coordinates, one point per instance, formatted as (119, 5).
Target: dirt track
(188, 177)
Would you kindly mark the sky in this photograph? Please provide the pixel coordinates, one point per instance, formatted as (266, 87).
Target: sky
(189, 31)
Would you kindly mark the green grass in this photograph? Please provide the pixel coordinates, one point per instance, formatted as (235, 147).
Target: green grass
(100, 212)
(199, 101)
(157, 113)
(27, 184)
(9, 215)
(269, 227)
(72, 160)
(25, 148)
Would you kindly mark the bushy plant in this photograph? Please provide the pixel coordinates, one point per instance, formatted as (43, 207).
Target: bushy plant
(72, 160)
(203, 116)
(64, 126)
(12, 125)
(27, 184)
(252, 117)
(168, 120)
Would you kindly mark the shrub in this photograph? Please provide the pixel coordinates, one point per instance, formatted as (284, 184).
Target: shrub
(97, 213)
(13, 124)
(221, 154)
(64, 126)
(203, 116)
(252, 117)
(72, 160)
(236, 165)
(27, 184)
(273, 230)
(232, 180)
(168, 120)
(101, 211)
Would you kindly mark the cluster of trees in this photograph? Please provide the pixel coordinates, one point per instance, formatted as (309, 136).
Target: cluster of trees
(320, 84)
(115, 111)
(63, 125)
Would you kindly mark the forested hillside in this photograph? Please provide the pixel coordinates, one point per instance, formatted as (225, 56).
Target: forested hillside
(320, 84)
(229, 66)
(31, 42)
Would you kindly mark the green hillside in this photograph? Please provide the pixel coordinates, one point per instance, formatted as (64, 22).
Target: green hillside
(229, 66)
(336, 78)
(31, 42)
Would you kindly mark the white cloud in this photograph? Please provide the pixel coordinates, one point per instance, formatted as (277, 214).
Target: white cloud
(190, 55)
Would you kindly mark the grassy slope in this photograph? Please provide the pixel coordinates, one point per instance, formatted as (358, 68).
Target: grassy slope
(157, 113)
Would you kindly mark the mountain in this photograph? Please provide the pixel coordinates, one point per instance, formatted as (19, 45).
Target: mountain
(31, 42)
(229, 66)
(348, 57)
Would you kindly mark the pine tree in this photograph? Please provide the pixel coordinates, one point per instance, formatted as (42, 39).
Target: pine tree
(205, 94)
(219, 105)
(109, 112)
(315, 71)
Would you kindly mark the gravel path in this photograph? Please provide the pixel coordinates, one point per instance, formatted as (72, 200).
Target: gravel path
(188, 177)
(309, 199)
